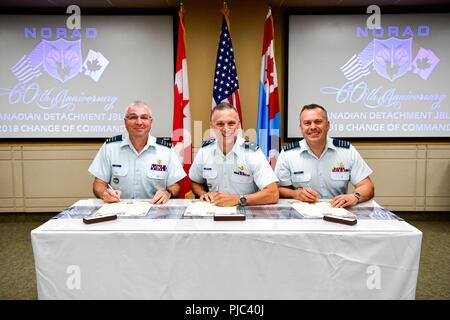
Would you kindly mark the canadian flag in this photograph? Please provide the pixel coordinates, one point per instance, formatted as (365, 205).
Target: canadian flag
(181, 134)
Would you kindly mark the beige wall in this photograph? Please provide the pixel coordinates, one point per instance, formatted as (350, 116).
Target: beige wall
(407, 177)
(203, 22)
(39, 177)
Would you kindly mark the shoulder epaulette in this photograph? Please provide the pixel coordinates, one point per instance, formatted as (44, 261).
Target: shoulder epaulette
(291, 146)
(164, 142)
(114, 139)
(341, 143)
(207, 142)
(250, 146)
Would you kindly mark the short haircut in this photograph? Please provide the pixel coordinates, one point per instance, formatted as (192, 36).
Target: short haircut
(314, 106)
(138, 103)
(223, 106)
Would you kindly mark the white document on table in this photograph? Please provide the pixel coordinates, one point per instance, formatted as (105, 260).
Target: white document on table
(125, 208)
(318, 209)
(207, 209)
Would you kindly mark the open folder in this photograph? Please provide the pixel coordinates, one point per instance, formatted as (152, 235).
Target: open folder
(207, 209)
(126, 208)
(318, 209)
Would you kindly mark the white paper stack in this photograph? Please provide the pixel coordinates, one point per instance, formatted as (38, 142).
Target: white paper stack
(125, 208)
(316, 210)
(207, 209)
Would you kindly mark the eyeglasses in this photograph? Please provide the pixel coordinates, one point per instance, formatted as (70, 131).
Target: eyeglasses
(134, 117)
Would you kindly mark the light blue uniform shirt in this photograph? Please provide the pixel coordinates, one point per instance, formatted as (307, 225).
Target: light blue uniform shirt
(329, 175)
(138, 176)
(242, 171)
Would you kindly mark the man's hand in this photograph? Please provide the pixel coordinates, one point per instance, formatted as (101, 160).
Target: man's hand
(306, 195)
(344, 200)
(221, 199)
(208, 196)
(160, 197)
(110, 196)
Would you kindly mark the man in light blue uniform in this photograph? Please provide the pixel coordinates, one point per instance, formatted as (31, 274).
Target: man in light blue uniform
(136, 165)
(229, 170)
(319, 167)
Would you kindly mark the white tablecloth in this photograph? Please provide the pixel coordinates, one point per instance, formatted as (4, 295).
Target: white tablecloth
(206, 259)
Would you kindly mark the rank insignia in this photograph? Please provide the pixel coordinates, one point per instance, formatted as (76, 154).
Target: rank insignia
(250, 146)
(292, 146)
(114, 139)
(164, 142)
(341, 143)
(207, 142)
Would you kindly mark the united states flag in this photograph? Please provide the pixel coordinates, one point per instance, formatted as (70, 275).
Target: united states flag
(226, 84)
(31, 66)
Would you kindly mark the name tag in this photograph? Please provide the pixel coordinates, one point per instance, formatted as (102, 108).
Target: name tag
(158, 167)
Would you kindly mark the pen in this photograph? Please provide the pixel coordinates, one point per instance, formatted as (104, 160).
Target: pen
(112, 189)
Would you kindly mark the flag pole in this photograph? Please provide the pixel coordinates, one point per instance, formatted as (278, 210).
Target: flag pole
(226, 13)
(181, 128)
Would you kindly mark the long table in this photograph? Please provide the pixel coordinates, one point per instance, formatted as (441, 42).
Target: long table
(259, 258)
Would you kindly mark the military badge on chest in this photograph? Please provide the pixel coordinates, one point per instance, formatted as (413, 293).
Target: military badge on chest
(340, 168)
(242, 171)
(158, 166)
(340, 172)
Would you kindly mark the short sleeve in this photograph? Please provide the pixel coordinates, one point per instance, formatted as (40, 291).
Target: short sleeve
(195, 172)
(262, 171)
(101, 165)
(283, 171)
(176, 171)
(360, 169)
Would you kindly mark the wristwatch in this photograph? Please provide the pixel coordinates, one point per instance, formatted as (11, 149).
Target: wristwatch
(170, 193)
(242, 200)
(357, 195)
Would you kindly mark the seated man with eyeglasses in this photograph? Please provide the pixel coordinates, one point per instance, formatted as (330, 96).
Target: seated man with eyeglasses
(136, 165)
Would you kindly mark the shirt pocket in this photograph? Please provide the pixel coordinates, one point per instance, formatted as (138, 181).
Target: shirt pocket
(119, 170)
(209, 173)
(157, 179)
(119, 173)
(236, 178)
(300, 178)
(340, 176)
